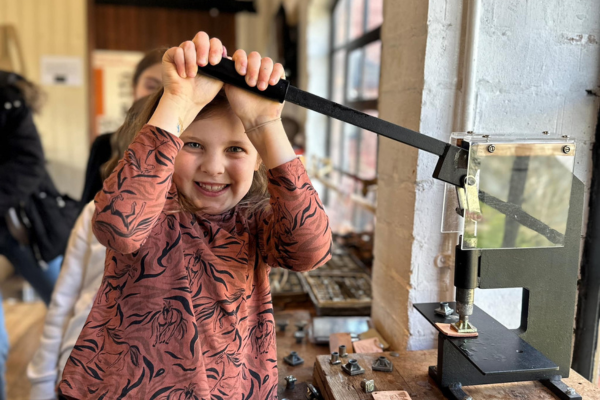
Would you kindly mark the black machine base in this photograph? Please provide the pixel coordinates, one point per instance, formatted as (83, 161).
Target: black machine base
(497, 355)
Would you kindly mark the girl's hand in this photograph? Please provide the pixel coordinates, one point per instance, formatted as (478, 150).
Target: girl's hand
(252, 109)
(180, 69)
(185, 91)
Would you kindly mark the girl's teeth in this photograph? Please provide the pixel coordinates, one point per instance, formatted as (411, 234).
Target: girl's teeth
(212, 188)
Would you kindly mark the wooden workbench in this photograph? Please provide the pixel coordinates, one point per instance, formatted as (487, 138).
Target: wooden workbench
(410, 374)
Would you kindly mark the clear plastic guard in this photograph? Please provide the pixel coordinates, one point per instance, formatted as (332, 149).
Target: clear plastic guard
(519, 192)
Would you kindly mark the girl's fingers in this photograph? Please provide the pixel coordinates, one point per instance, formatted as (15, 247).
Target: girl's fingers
(241, 61)
(253, 68)
(277, 74)
(179, 60)
(266, 68)
(189, 53)
(202, 42)
(216, 51)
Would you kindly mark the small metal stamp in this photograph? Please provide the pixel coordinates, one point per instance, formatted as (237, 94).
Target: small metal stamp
(342, 351)
(368, 385)
(300, 325)
(293, 359)
(352, 368)
(282, 325)
(312, 392)
(335, 358)
(383, 364)
(299, 335)
(290, 382)
(444, 309)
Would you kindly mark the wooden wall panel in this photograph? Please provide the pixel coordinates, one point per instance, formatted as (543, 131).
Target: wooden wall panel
(143, 28)
(56, 28)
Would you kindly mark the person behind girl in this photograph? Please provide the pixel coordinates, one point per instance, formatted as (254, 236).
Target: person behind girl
(184, 309)
(147, 79)
(78, 282)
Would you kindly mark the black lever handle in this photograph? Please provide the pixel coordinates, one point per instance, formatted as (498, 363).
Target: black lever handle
(226, 73)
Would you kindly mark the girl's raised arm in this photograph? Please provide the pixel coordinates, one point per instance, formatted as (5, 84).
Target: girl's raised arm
(134, 195)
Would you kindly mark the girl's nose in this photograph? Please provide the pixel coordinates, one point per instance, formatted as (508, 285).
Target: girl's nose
(212, 165)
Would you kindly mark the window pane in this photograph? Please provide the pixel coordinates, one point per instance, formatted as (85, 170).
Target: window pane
(335, 143)
(339, 72)
(370, 88)
(354, 63)
(357, 18)
(349, 156)
(340, 15)
(374, 14)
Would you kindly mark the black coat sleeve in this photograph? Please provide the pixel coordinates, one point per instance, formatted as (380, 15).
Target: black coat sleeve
(21, 156)
(99, 154)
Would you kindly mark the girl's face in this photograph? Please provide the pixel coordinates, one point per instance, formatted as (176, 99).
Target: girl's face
(148, 82)
(215, 167)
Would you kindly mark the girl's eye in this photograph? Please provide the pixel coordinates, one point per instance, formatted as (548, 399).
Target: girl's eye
(194, 145)
(236, 149)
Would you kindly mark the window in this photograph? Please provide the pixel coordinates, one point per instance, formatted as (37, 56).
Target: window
(355, 64)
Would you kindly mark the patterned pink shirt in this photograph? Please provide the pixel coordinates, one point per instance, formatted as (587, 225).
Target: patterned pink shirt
(184, 310)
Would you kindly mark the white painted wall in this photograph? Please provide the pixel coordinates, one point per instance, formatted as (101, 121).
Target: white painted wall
(536, 59)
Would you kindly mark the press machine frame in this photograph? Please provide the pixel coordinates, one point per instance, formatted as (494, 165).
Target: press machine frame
(541, 348)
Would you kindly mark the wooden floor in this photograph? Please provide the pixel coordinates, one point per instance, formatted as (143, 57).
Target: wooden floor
(24, 322)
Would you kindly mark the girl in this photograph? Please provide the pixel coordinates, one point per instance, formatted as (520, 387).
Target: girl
(184, 310)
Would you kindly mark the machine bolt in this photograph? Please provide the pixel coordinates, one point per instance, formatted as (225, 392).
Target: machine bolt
(571, 392)
(335, 358)
(342, 351)
(444, 309)
(491, 148)
(566, 149)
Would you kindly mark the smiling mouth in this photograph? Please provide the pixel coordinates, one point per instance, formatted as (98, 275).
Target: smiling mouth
(212, 188)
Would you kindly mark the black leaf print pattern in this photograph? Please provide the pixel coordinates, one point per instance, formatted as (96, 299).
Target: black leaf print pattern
(175, 281)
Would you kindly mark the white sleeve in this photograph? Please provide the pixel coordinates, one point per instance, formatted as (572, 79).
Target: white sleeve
(42, 370)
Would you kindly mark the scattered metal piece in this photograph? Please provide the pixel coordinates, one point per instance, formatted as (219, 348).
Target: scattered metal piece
(394, 354)
(352, 368)
(368, 385)
(444, 309)
(545, 133)
(301, 324)
(312, 392)
(383, 364)
(571, 392)
(342, 351)
(282, 325)
(299, 335)
(491, 148)
(565, 136)
(566, 149)
(293, 359)
(464, 326)
(290, 382)
(335, 358)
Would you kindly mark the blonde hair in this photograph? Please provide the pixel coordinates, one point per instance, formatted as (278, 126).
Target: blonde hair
(122, 138)
(257, 197)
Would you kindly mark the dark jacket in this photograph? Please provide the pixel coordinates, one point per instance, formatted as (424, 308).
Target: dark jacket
(99, 154)
(24, 182)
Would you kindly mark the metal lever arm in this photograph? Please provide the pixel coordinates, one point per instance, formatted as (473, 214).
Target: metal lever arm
(451, 167)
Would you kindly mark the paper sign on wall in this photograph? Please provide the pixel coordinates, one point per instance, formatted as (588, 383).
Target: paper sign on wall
(61, 70)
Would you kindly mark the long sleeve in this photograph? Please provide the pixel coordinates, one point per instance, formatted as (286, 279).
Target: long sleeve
(21, 155)
(294, 232)
(134, 195)
(42, 370)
